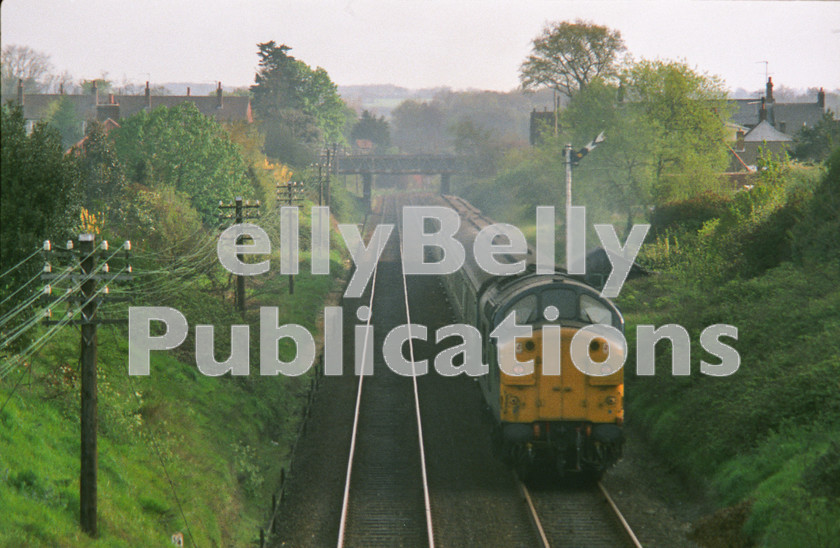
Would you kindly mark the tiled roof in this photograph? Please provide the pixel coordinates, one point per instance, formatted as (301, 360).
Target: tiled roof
(796, 115)
(233, 108)
(791, 116)
(745, 111)
(765, 132)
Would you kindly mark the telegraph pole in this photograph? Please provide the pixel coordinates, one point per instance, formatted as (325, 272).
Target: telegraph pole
(329, 169)
(90, 299)
(568, 154)
(239, 215)
(87, 478)
(291, 194)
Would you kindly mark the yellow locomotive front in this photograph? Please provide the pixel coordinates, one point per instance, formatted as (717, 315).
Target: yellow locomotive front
(550, 409)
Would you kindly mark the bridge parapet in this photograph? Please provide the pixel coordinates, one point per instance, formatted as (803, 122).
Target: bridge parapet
(399, 164)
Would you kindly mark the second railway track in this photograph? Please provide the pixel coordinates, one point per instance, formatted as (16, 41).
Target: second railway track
(386, 500)
(581, 515)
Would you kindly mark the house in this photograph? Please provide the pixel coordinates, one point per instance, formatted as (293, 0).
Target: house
(36, 106)
(765, 124)
(788, 118)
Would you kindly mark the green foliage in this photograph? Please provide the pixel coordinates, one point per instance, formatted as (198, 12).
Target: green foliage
(419, 127)
(567, 56)
(375, 130)
(38, 198)
(816, 143)
(181, 148)
(297, 105)
(477, 147)
(815, 238)
(103, 180)
(768, 433)
(683, 113)
(687, 216)
(62, 116)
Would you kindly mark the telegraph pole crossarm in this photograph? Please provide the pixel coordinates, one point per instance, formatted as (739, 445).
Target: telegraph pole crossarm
(241, 212)
(292, 193)
(85, 257)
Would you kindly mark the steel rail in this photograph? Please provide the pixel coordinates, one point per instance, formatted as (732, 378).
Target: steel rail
(426, 498)
(620, 517)
(346, 500)
(536, 522)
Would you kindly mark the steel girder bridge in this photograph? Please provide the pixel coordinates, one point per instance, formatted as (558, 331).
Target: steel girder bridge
(368, 165)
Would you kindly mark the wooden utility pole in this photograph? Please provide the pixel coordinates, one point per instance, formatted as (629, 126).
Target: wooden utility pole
(90, 298)
(239, 216)
(291, 193)
(87, 478)
(329, 169)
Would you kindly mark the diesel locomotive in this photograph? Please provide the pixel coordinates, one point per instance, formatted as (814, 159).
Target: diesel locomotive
(571, 422)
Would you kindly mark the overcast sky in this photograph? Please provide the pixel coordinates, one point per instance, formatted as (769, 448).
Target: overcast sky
(456, 43)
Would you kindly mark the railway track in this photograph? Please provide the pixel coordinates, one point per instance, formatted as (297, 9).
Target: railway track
(578, 515)
(386, 494)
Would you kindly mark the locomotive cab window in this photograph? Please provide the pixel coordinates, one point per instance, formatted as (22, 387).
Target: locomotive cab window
(565, 300)
(594, 311)
(526, 309)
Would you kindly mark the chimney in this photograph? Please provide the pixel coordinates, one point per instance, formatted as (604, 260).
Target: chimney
(219, 96)
(821, 98)
(111, 99)
(740, 142)
(95, 93)
(148, 96)
(20, 92)
(61, 88)
(770, 89)
(188, 91)
(762, 112)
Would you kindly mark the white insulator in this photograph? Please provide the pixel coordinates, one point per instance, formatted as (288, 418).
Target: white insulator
(48, 289)
(127, 245)
(69, 244)
(47, 245)
(106, 268)
(105, 245)
(47, 267)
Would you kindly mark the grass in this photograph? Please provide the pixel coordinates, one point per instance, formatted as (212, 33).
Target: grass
(221, 441)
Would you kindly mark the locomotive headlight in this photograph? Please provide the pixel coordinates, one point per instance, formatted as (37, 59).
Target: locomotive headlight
(518, 370)
(610, 400)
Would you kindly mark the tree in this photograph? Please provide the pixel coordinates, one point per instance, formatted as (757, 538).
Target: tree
(102, 176)
(62, 116)
(24, 63)
(38, 196)
(297, 105)
(476, 145)
(419, 127)
(566, 57)
(181, 148)
(685, 112)
(816, 143)
(666, 141)
(375, 130)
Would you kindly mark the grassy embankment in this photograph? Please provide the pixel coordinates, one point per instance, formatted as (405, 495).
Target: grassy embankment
(765, 441)
(223, 440)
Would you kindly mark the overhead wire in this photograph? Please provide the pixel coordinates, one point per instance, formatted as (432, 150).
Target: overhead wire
(21, 263)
